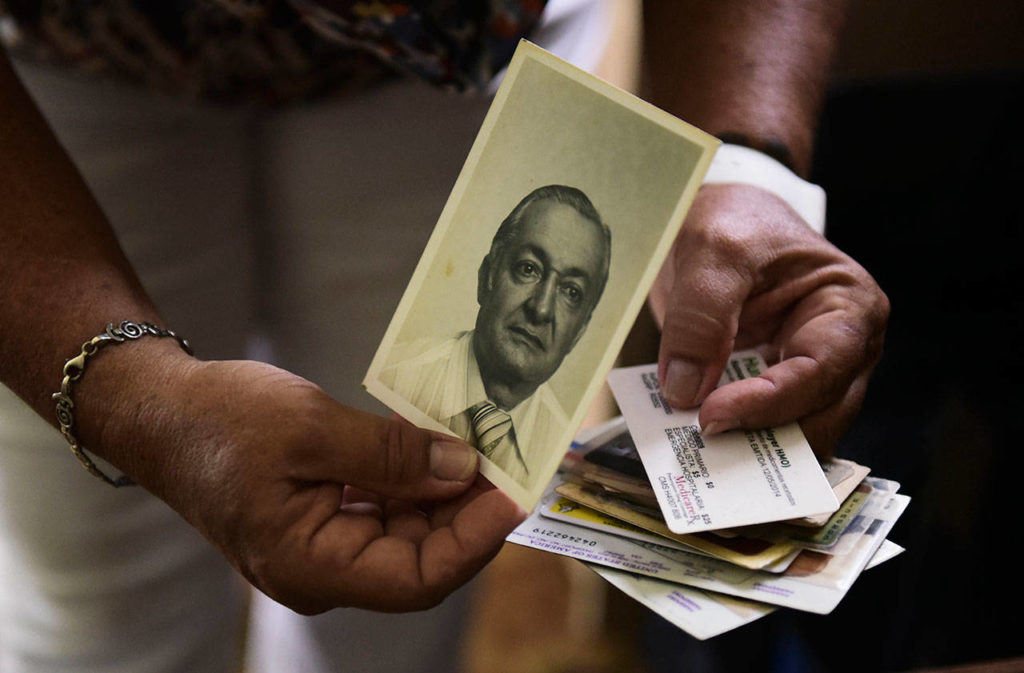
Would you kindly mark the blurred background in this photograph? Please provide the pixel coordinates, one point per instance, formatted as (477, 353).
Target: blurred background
(919, 151)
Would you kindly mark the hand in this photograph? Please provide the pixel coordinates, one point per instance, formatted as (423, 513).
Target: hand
(318, 505)
(747, 272)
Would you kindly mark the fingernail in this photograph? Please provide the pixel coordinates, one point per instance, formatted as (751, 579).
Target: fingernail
(715, 427)
(682, 382)
(452, 461)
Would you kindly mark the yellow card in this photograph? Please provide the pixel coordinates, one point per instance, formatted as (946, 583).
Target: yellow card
(745, 552)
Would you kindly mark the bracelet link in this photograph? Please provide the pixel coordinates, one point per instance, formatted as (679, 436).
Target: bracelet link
(75, 368)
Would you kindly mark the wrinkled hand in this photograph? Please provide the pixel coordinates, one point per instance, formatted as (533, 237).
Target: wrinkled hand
(317, 504)
(747, 272)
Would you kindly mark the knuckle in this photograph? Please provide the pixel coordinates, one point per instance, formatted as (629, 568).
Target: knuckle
(876, 301)
(399, 462)
(695, 333)
(883, 308)
(715, 237)
(430, 594)
(429, 598)
(835, 377)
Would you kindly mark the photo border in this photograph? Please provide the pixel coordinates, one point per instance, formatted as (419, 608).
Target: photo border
(707, 145)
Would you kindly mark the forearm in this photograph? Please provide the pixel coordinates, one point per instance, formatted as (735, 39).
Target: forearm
(62, 270)
(751, 72)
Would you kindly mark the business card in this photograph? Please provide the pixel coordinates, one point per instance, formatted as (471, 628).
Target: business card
(735, 478)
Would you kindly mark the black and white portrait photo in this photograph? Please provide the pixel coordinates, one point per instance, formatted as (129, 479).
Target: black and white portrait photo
(537, 289)
(538, 265)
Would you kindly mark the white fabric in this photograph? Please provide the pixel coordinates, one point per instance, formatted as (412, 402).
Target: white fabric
(735, 163)
(578, 31)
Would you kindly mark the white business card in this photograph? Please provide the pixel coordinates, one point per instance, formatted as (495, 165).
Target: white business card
(735, 478)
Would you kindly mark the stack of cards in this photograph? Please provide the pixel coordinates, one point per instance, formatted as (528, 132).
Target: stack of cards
(712, 532)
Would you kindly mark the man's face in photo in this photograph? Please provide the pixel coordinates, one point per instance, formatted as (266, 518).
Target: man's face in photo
(537, 296)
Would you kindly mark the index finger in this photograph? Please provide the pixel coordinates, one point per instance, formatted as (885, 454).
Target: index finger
(825, 345)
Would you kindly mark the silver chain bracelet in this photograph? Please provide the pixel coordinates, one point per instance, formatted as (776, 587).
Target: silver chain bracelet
(75, 367)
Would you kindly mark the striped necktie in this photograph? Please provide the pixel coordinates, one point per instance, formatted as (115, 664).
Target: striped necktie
(491, 425)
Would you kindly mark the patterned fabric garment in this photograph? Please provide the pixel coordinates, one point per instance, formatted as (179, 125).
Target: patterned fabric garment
(272, 50)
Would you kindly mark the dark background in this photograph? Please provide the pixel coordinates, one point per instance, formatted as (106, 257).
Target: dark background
(921, 152)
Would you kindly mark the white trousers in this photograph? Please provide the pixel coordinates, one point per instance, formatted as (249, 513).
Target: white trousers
(285, 235)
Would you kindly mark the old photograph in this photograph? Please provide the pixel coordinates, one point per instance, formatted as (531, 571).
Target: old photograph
(564, 210)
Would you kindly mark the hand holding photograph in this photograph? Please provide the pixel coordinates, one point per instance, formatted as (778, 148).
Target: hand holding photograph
(567, 205)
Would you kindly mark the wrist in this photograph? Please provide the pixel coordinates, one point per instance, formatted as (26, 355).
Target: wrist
(114, 398)
(743, 165)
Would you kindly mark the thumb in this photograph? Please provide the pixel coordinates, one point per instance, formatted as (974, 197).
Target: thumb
(398, 460)
(700, 318)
